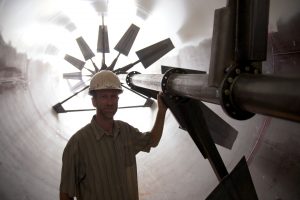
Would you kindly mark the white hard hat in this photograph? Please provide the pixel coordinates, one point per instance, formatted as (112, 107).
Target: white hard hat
(104, 80)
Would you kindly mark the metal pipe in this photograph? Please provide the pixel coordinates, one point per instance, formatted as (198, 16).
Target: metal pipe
(263, 94)
(149, 81)
(268, 95)
(194, 86)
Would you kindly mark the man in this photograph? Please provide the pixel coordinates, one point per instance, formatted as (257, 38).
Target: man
(99, 160)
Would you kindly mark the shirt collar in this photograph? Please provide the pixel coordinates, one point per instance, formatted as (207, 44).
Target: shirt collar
(99, 132)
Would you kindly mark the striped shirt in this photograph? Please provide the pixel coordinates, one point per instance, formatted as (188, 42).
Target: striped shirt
(97, 166)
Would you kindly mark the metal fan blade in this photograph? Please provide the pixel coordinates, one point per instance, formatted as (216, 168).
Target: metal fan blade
(81, 84)
(85, 49)
(73, 75)
(237, 185)
(221, 132)
(125, 43)
(127, 40)
(103, 45)
(79, 64)
(152, 53)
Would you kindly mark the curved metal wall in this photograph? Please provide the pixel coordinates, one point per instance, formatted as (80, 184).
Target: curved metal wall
(32, 136)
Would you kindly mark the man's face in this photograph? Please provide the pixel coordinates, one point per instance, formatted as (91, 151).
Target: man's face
(106, 103)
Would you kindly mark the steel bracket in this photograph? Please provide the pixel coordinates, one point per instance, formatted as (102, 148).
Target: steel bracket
(226, 94)
(165, 80)
(147, 92)
(128, 78)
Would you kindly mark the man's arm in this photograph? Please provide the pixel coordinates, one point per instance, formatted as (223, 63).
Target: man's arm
(65, 196)
(158, 126)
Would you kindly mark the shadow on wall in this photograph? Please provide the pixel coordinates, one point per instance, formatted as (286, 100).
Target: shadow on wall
(12, 67)
(284, 48)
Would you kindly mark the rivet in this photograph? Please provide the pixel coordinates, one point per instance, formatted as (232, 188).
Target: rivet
(226, 70)
(227, 92)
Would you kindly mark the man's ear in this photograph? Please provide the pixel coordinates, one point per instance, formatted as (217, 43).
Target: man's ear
(94, 101)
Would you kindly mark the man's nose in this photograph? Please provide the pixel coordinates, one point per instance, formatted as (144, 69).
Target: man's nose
(110, 100)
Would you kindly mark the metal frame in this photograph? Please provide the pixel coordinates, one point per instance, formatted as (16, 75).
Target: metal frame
(58, 108)
(234, 81)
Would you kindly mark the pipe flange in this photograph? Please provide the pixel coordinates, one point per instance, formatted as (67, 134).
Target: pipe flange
(165, 79)
(227, 102)
(128, 78)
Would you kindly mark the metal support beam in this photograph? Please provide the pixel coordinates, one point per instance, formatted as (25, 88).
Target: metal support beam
(223, 43)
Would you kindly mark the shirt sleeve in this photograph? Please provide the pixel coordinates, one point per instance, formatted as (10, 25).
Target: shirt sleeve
(135, 140)
(69, 171)
(141, 140)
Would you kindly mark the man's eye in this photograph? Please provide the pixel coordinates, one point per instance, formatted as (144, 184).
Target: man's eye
(103, 96)
(114, 97)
